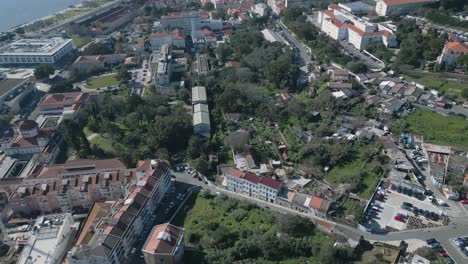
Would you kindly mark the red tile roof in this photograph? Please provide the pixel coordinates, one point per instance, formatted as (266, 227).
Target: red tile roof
(163, 239)
(457, 46)
(316, 202)
(252, 178)
(275, 184)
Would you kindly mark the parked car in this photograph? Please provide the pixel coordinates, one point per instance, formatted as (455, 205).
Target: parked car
(464, 201)
(459, 242)
(431, 241)
(399, 219)
(408, 204)
(443, 253)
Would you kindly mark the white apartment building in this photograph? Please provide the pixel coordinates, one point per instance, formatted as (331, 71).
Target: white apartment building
(113, 229)
(185, 20)
(35, 51)
(49, 240)
(452, 50)
(340, 24)
(261, 187)
(388, 7)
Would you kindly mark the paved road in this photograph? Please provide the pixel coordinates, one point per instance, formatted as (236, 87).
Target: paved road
(353, 52)
(304, 52)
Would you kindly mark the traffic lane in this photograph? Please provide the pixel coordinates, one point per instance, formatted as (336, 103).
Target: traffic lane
(358, 54)
(305, 52)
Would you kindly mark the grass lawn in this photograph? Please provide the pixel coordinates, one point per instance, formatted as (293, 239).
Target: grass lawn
(358, 168)
(103, 81)
(439, 129)
(103, 142)
(448, 87)
(87, 132)
(80, 41)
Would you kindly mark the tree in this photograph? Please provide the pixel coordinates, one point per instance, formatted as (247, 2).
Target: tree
(358, 67)
(123, 75)
(20, 31)
(194, 148)
(201, 165)
(464, 93)
(294, 226)
(43, 71)
(208, 6)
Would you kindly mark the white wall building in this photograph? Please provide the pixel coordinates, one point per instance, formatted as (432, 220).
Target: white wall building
(261, 187)
(35, 51)
(185, 20)
(451, 52)
(388, 7)
(49, 240)
(340, 24)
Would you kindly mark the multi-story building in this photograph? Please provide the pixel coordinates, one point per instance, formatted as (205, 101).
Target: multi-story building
(340, 24)
(13, 91)
(49, 240)
(35, 51)
(165, 245)
(399, 7)
(178, 38)
(97, 62)
(157, 39)
(185, 20)
(452, 50)
(74, 185)
(261, 187)
(65, 104)
(25, 138)
(109, 235)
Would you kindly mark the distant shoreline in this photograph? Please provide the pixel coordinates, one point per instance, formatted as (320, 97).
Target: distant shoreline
(47, 16)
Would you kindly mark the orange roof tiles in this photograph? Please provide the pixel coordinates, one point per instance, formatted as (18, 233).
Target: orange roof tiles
(457, 46)
(163, 239)
(316, 202)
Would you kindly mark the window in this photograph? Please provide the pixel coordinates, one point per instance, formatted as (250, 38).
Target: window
(161, 260)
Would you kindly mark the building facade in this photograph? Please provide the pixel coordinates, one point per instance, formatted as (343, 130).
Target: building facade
(68, 187)
(35, 51)
(49, 240)
(109, 237)
(25, 138)
(341, 25)
(399, 7)
(185, 20)
(261, 187)
(452, 51)
(13, 91)
(165, 244)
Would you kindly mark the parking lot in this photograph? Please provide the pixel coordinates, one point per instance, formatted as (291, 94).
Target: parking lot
(394, 211)
(461, 244)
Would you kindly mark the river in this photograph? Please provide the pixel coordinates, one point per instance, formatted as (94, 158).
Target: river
(16, 12)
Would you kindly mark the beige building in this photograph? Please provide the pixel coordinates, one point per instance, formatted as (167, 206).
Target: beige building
(165, 245)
